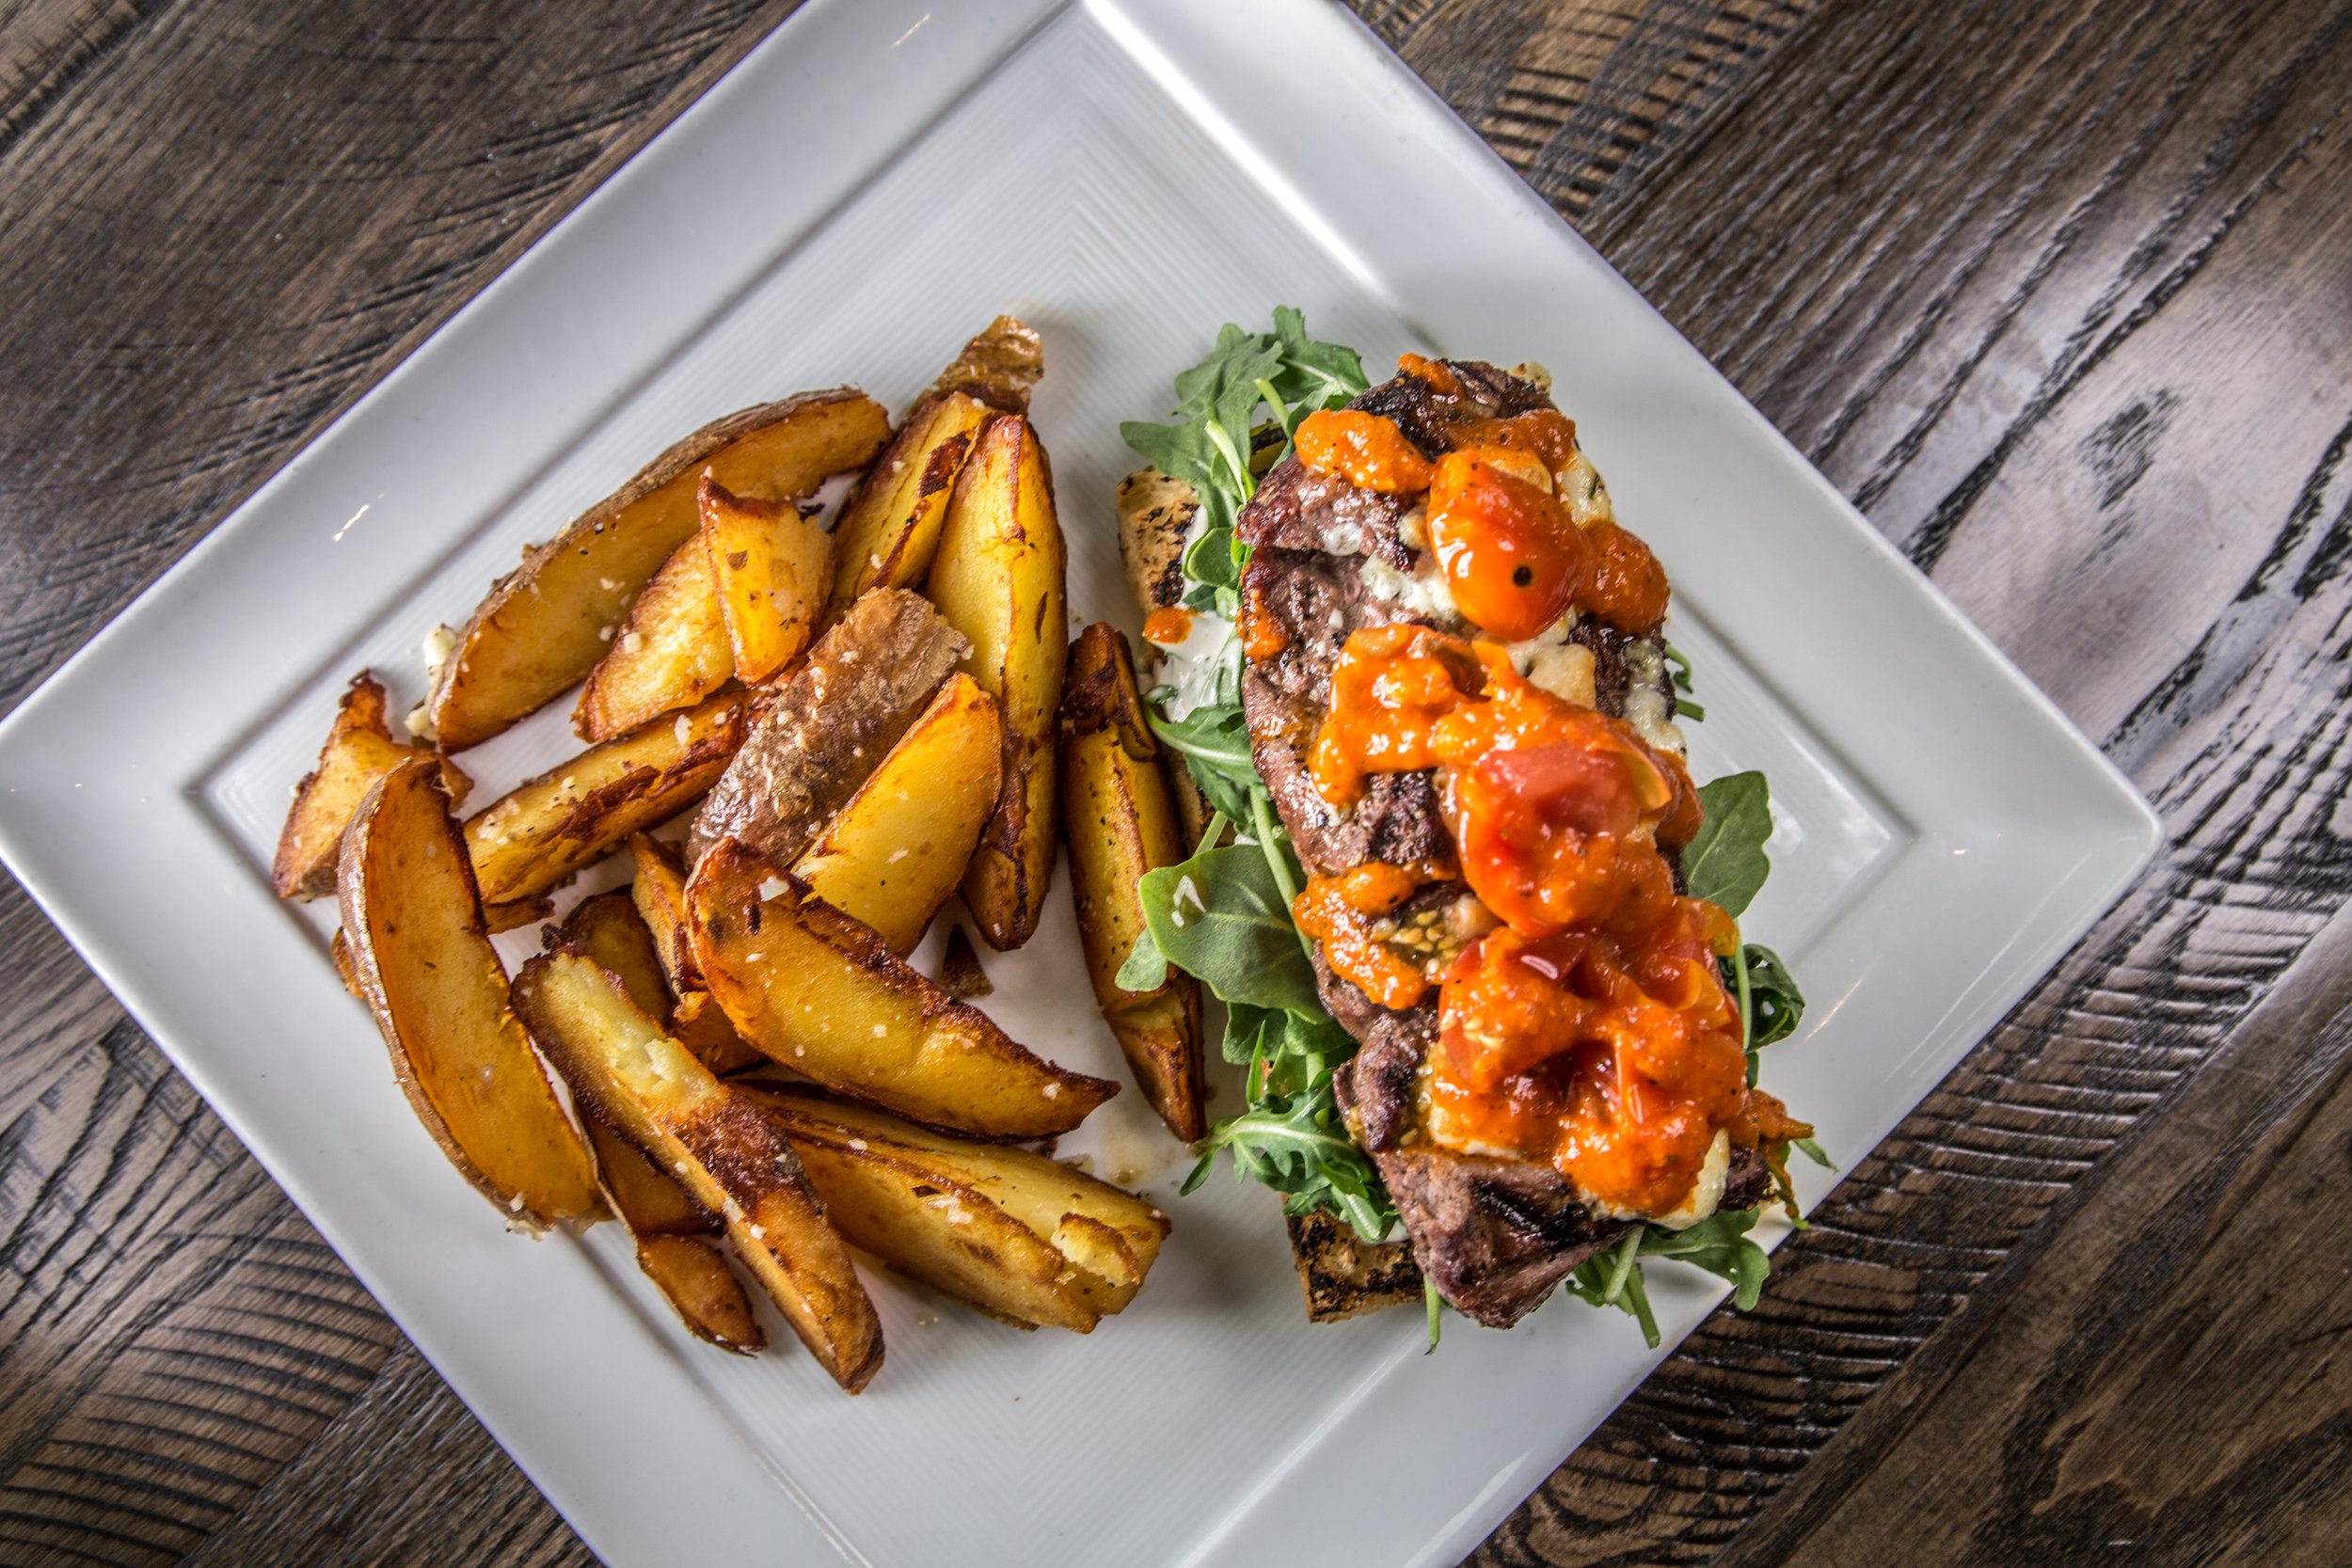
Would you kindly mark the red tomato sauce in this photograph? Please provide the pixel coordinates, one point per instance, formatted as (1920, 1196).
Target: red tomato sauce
(1591, 1028)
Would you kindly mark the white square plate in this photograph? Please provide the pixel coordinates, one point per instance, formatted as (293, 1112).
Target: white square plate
(870, 185)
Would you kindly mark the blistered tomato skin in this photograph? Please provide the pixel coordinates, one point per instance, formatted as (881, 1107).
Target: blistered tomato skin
(1511, 557)
(1364, 449)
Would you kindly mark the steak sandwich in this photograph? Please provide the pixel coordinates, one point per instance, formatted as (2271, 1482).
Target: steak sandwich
(1458, 698)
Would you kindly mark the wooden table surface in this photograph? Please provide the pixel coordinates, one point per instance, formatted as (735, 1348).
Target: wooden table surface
(2060, 291)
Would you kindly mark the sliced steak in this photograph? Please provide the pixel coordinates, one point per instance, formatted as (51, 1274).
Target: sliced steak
(1495, 1235)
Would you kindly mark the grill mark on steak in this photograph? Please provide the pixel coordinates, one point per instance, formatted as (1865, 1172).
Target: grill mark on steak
(1495, 1235)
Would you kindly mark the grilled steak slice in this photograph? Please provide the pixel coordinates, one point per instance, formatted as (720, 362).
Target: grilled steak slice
(1495, 1235)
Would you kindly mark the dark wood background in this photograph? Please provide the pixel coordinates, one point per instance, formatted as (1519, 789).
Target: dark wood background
(2058, 291)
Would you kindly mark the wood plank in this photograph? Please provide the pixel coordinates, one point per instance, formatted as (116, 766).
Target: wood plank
(2053, 371)
(2165, 1378)
(2027, 279)
(215, 232)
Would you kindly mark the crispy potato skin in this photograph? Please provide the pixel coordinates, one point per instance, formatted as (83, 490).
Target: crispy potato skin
(359, 750)
(828, 725)
(543, 627)
(671, 1233)
(1014, 1234)
(626, 1071)
(1000, 367)
(710, 1302)
(822, 994)
(542, 831)
(1000, 579)
(1120, 823)
(890, 530)
(420, 959)
(608, 928)
(670, 653)
(773, 569)
(893, 855)
(658, 891)
(700, 1024)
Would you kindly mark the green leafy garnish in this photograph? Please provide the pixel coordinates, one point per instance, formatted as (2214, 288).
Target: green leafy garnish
(1678, 665)
(1719, 1243)
(1726, 864)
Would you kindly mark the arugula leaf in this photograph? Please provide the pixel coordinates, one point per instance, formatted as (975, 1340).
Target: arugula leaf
(1145, 966)
(1776, 1004)
(1770, 1003)
(1725, 862)
(1221, 917)
(1678, 664)
(1719, 1243)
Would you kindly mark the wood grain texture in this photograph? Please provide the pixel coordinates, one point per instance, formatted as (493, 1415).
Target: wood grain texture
(2058, 292)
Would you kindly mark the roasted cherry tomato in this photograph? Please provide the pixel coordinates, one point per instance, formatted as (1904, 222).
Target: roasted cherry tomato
(1511, 556)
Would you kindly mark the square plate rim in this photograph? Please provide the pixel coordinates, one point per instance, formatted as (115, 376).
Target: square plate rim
(1145, 23)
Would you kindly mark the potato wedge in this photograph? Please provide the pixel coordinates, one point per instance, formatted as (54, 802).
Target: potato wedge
(543, 829)
(642, 1196)
(546, 625)
(890, 530)
(672, 1235)
(608, 928)
(1015, 1234)
(773, 569)
(896, 852)
(516, 914)
(671, 653)
(700, 1024)
(998, 368)
(824, 995)
(960, 972)
(829, 726)
(419, 956)
(359, 750)
(998, 579)
(692, 1271)
(627, 1071)
(658, 891)
(1121, 822)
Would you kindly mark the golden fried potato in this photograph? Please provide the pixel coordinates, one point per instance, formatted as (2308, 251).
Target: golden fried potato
(543, 829)
(625, 1070)
(642, 1196)
(546, 625)
(516, 914)
(827, 726)
(893, 855)
(420, 958)
(960, 972)
(999, 368)
(359, 750)
(1121, 823)
(608, 928)
(890, 530)
(700, 1024)
(998, 579)
(692, 1271)
(824, 995)
(672, 1232)
(658, 891)
(774, 570)
(670, 653)
(1015, 1234)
